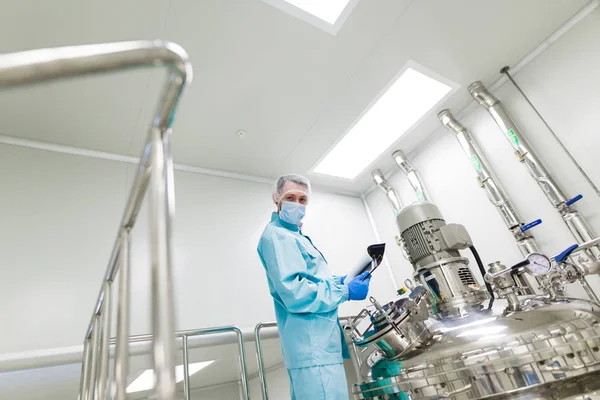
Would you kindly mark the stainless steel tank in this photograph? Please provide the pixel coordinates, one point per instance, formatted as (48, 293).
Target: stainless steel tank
(449, 340)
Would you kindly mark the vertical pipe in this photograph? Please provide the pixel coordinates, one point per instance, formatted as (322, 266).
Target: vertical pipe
(161, 213)
(242, 354)
(122, 349)
(391, 193)
(95, 347)
(186, 368)
(85, 370)
(259, 359)
(411, 175)
(103, 378)
(527, 156)
(485, 177)
(495, 192)
(504, 71)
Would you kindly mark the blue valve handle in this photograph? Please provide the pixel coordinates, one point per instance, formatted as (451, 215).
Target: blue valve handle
(530, 225)
(563, 256)
(573, 200)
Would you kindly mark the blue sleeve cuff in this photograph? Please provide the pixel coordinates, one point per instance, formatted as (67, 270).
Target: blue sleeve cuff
(345, 296)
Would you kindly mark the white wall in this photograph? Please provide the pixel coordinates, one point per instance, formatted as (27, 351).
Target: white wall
(60, 215)
(564, 85)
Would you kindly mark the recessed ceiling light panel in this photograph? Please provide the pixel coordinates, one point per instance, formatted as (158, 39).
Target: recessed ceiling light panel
(408, 98)
(328, 15)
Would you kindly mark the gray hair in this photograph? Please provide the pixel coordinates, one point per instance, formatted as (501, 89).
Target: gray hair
(295, 178)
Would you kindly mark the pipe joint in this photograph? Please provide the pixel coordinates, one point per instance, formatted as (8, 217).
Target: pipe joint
(448, 120)
(482, 95)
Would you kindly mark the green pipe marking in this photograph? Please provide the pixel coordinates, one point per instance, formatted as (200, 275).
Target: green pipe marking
(476, 162)
(512, 136)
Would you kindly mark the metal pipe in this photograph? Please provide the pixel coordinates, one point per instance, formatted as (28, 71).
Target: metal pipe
(587, 245)
(186, 368)
(105, 314)
(241, 349)
(87, 393)
(162, 296)
(94, 359)
(495, 192)
(525, 154)
(573, 160)
(85, 370)
(36, 66)
(92, 59)
(244, 372)
(522, 148)
(123, 307)
(259, 357)
(487, 181)
(411, 175)
(138, 345)
(391, 193)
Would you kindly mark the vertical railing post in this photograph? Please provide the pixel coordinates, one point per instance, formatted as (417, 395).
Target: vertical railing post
(161, 212)
(95, 350)
(242, 359)
(186, 368)
(85, 370)
(103, 377)
(87, 393)
(259, 357)
(122, 350)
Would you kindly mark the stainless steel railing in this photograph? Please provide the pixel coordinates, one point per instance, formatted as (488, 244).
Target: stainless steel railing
(211, 331)
(155, 172)
(183, 337)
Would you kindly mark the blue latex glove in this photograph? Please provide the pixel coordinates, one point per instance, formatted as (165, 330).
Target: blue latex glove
(357, 288)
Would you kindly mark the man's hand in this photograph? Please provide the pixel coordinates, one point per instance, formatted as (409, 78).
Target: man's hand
(358, 288)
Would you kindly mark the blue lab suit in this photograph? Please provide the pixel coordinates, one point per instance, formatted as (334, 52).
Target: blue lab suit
(306, 298)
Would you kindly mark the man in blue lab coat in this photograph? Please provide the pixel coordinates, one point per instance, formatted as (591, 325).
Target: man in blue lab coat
(306, 297)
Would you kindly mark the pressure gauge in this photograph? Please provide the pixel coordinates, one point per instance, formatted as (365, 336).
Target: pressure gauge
(539, 264)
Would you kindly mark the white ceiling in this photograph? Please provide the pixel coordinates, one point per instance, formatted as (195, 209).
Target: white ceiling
(62, 382)
(292, 87)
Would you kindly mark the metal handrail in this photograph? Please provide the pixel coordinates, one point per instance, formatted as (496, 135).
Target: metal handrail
(156, 169)
(184, 335)
(209, 331)
(259, 354)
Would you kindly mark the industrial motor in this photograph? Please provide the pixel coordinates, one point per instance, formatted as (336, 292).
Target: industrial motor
(433, 248)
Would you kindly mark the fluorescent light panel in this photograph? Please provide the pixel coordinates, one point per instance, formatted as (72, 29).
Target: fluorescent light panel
(146, 380)
(327, 10)
(402, 105)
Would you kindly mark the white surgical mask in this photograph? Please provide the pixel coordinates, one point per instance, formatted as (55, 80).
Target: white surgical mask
(292, 212)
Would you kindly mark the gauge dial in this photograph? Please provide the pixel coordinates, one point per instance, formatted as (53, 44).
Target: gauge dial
(539, 264)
